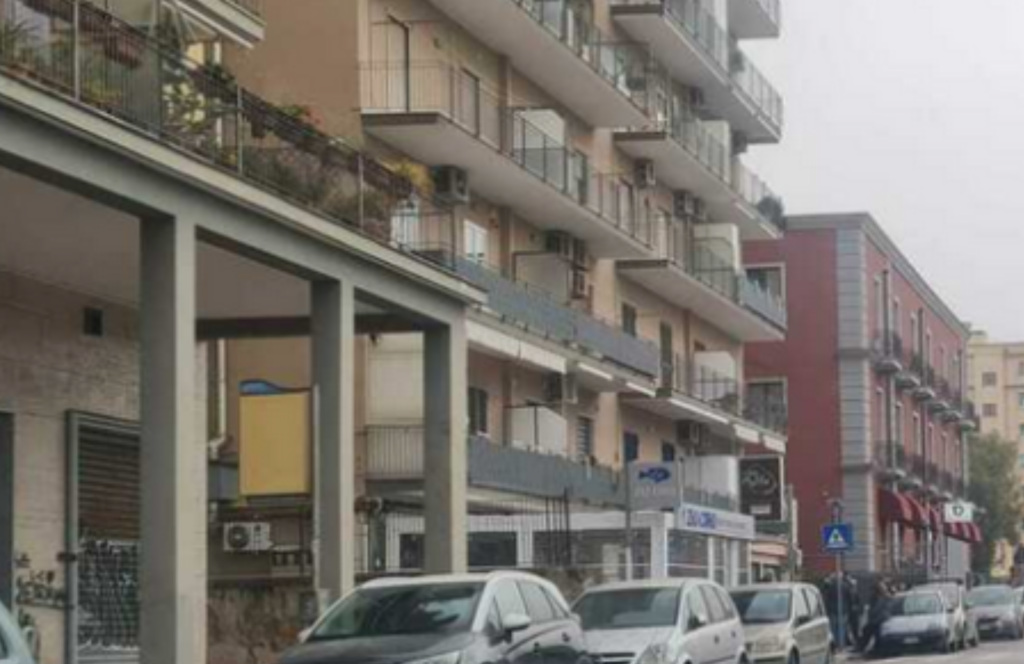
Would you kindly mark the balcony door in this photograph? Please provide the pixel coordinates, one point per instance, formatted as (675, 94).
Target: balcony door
(667, 356)
(391, 63)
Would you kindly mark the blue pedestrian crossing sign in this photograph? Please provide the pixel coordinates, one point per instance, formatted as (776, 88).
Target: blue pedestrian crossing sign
(837, 538)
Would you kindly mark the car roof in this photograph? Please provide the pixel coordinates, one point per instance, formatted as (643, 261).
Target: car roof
(646, 583)
(780, 585)
(438, 579)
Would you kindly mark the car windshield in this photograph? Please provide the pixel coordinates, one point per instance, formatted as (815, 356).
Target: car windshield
(401, 610)
(758, 607)
(917, 605)
(950, 591)
(629, 608)
(993, 596)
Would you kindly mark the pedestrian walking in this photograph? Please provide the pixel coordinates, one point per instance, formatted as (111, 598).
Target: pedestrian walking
(878, 613)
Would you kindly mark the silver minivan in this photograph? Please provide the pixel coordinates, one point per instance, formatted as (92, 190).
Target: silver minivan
(674, 621)
(784, 623)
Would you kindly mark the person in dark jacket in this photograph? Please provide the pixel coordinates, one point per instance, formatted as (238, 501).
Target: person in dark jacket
(881, 603)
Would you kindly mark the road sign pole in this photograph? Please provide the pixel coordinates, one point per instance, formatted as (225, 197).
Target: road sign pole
(837, 518)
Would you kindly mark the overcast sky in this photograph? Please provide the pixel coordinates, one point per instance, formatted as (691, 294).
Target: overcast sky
(911, 110)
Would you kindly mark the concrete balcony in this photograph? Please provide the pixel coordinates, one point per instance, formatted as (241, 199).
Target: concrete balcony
(604, 81)
(703, 276)
(441, 116)
(687, 156)
(695, 49)
(705, 389)
(240, 20)
(526, 307)
(755, 19)
(395, 454)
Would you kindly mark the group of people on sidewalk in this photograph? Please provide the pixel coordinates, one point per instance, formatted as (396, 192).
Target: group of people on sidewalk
(858, 623)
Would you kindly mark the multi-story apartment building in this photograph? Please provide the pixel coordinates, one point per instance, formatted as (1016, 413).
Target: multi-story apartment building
(996, 385)
(594, 153)
(873, 365)
(519, 217)
(149, 205)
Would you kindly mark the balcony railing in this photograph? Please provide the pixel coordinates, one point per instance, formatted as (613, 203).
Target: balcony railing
(771, 414)
(91, 58)
(395, 453)
(694, 20)
(763, 302)
(628, 67)
(254, 7)
(704, 146)
(758, 194)
(438, 87)
(703, 383)
(533, 308)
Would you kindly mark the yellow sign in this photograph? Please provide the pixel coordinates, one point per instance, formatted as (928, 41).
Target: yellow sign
(275, 445)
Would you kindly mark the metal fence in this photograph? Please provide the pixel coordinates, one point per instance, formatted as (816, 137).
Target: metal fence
(108, 598)
(95, 59)
(435, 87)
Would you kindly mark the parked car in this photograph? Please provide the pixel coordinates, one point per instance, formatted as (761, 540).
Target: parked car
(785, 623)
(956, 600)
(676, 621)
(13, 649)
(458, 619)
(998, 611)
(918, 620)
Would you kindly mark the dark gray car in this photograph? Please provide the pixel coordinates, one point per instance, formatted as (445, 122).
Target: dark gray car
(918, 620)
(469, 619)
(998, 611)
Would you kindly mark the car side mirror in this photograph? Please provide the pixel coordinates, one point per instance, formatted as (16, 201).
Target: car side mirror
(515, 622)
(697, 621)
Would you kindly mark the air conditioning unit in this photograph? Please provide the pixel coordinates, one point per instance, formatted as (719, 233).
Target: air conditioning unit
(247, 537)
(579, 286)
(559, 388)
(643, 174)
(451, 184)
(579, 253)
(684, 204)
(691, 433)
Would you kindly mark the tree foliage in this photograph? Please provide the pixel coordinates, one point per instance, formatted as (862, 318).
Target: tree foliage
(995, 489)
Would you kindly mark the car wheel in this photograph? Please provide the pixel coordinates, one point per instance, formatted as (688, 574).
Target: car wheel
(794, 658)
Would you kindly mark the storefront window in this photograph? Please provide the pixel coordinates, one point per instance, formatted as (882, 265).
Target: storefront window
(743, 572)
(721, 547)
(687, 555)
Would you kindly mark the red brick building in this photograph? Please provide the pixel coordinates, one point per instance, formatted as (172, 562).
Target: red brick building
(873, 372)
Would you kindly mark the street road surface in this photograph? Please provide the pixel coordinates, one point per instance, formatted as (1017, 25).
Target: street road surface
(990, 652)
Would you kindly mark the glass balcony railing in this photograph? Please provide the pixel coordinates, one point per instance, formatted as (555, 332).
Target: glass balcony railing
(755, 86)
(752, 189)
(437, 87)
(95, 60)
(533, 308)
(625, 66)
(763, 302)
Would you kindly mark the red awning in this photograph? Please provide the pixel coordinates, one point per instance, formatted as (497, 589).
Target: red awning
(901, 508)
(974, 534)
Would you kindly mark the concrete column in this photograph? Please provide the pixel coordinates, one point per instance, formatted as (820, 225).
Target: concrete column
(659, 550)
(173, 523)
(333, 332)
(445, 473)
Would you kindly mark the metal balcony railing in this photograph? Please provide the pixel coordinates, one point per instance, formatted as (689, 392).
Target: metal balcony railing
(771, 414)
(535, 309)
(700, 25)
(888, 345)
(700, 382)
(758, 194)
(763, 302)
(627, 67)
(468, 102)
(91, 58)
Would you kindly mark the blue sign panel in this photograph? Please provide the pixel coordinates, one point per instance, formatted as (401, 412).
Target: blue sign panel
(837, 538)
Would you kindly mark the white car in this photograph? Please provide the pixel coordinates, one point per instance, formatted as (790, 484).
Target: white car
(13, 649)
(785, 623)
(676, 621)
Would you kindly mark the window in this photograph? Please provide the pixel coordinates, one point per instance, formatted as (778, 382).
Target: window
(800, 607)
(915, 334)
(668, 452)
(727, 604)
(770, 279)
(716, 611)
(537, 603)
(475, 242)
(989, 410)
(630, 447)
(897, 320)
(814, 603)
(879, 305)
(695, 605)
(402, 610)
(989, 379)
(584, 438)
(629, 317)
(766, 402)
(478, 411)
(508, 599)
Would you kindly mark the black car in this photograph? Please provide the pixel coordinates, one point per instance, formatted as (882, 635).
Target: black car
(469, 619)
